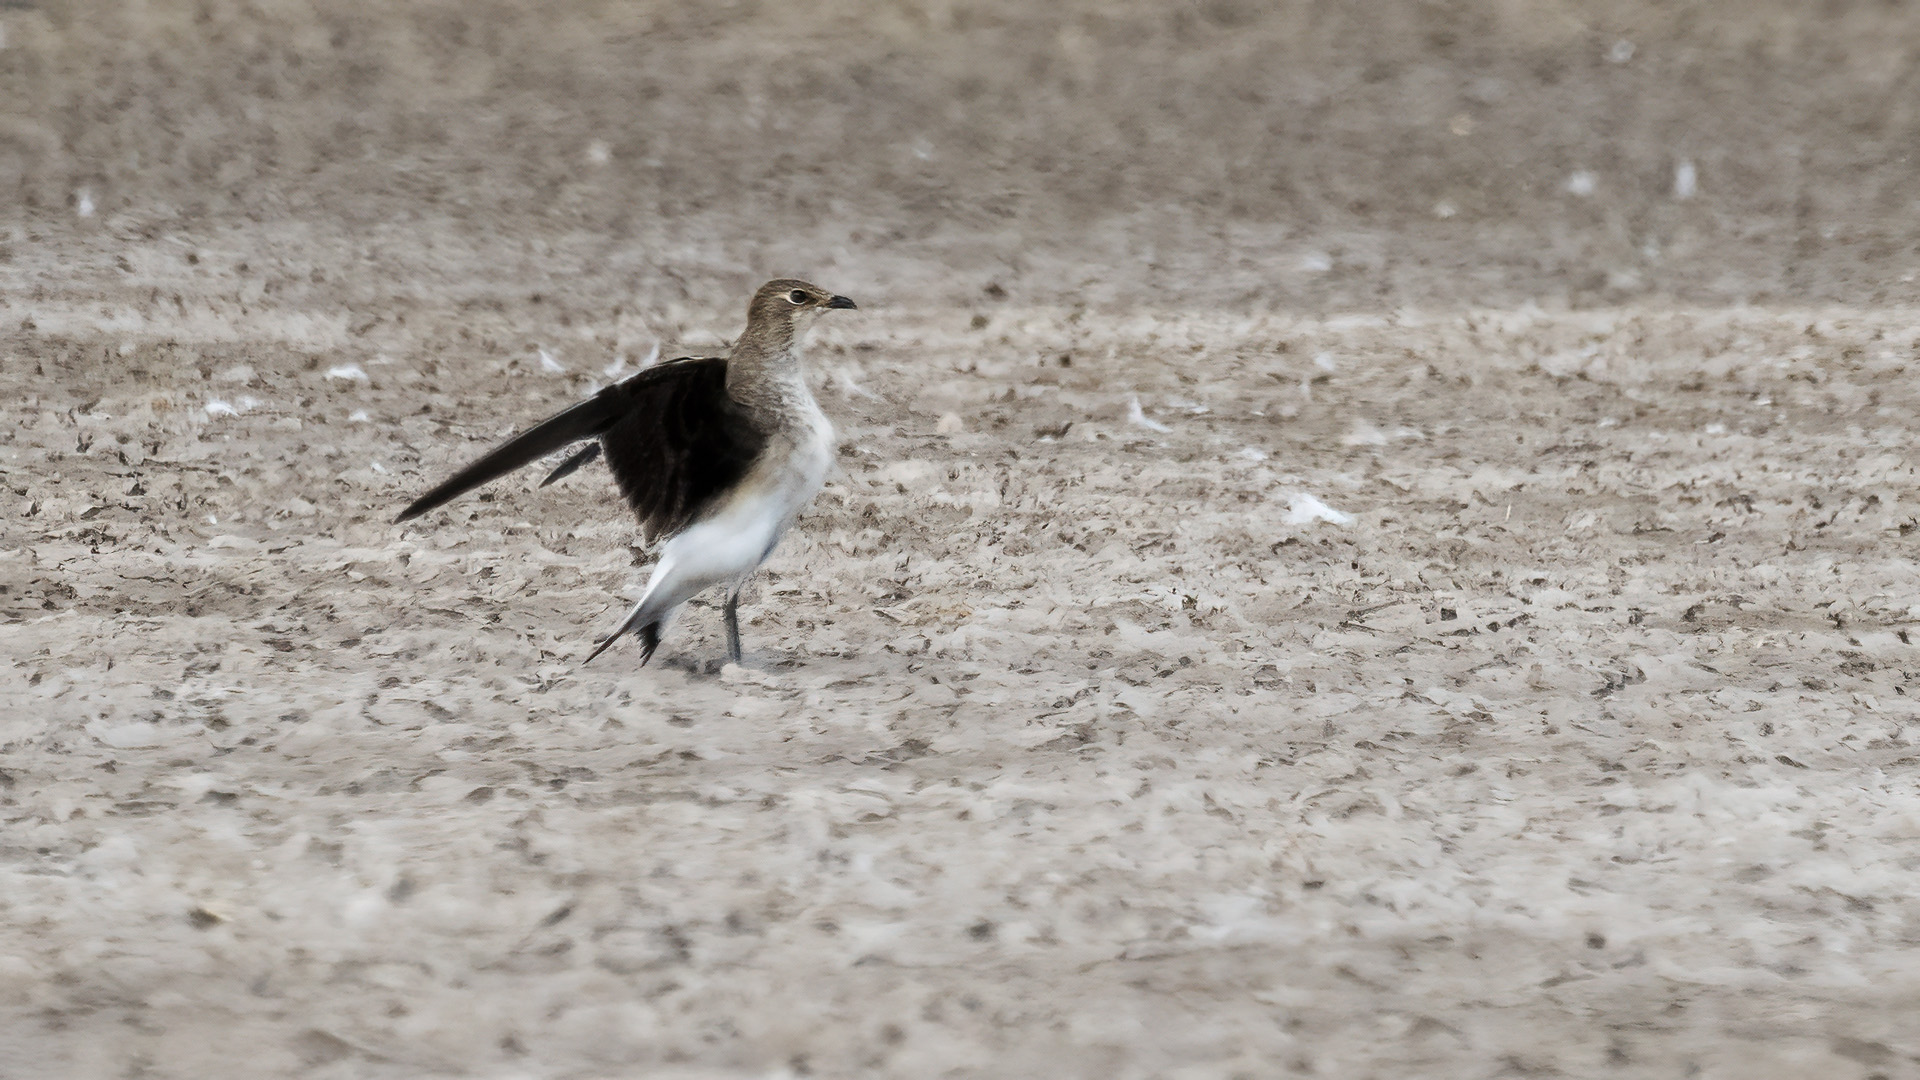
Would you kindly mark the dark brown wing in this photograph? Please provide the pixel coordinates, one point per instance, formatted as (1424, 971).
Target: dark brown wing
(583, 421)
(672, 436)
(680, 443)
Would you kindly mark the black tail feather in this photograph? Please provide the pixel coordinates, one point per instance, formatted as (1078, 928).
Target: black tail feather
(583, 421)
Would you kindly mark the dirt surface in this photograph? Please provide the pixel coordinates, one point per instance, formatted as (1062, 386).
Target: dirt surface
(1484, 652)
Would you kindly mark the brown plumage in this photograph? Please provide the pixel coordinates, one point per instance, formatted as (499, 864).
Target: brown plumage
(734, 447)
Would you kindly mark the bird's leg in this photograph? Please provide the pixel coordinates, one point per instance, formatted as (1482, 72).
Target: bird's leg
(733, 626)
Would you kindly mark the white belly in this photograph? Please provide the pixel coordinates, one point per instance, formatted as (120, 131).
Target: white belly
(731, 541)
(734, 538)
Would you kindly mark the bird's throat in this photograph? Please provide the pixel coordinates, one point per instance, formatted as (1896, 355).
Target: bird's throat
(768, 380)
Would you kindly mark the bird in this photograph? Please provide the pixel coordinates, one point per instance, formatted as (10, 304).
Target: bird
(717, 456)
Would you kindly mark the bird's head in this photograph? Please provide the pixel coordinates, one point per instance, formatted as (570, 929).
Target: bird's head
(789, 303)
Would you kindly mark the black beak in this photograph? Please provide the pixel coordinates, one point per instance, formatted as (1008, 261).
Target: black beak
(841, 302)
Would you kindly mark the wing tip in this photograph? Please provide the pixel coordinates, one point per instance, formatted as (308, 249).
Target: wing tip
(418, 507)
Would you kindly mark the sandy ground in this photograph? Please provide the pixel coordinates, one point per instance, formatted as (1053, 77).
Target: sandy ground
(1485, 652)
(1583, 748)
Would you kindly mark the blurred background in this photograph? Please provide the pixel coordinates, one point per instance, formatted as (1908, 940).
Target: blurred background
(1295, 155)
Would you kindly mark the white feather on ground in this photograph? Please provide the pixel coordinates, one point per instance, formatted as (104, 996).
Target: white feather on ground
(1139, 418)
(1305, 509)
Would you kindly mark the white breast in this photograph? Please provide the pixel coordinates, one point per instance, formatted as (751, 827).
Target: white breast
(815, 449)
(733, 539)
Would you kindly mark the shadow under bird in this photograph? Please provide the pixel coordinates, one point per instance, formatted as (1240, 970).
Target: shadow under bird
(717, 454)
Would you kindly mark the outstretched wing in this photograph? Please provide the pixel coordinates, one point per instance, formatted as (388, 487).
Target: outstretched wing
(672, 436)
(679, 443)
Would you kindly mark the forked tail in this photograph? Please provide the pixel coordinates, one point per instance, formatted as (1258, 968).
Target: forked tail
(649, 641)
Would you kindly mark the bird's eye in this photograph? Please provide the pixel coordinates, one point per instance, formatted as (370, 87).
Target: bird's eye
(797, 297)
